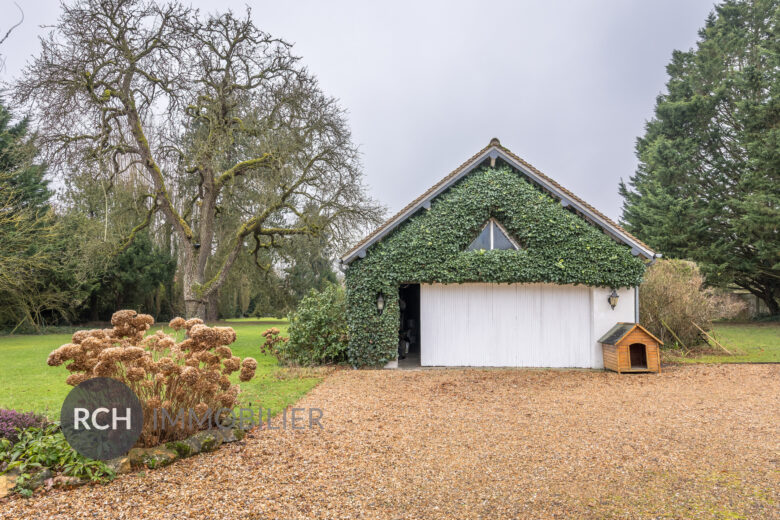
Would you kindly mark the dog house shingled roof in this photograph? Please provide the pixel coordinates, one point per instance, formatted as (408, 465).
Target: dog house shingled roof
(621, 330)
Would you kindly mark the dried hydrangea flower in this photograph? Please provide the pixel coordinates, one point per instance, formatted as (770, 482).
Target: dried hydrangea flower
(76, 379)
(226, 400)
(224, 352)
(195, 370)
(131, 353)
(104, 368)
(190, 375)
(226, 335)
(201, 409)
(55, 359)
(192, 322)
(231, 365)
(79, 336)
(177, 323)
(135, 373)
(211, 376)
(166, 365)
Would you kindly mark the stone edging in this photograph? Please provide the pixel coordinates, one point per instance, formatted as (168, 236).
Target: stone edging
(137, 458)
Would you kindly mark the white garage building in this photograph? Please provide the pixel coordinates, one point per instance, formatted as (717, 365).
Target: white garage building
(473, 323)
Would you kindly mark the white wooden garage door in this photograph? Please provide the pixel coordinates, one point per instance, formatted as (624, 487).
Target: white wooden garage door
(530, 325)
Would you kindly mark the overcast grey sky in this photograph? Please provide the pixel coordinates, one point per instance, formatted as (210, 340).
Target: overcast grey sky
(567, 85)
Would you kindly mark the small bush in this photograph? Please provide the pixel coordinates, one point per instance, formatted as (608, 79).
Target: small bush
(673, 296)
(165, 375)
(12, 421)
(273, 342)
(46, 447)
(318, 329)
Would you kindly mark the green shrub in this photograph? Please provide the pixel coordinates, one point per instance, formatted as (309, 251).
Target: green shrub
(41, 448)
(318, 329)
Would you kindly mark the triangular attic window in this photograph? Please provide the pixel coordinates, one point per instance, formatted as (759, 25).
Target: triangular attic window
(493, 236)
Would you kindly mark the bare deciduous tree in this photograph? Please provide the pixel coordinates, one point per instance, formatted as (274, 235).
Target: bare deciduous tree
(207, 109)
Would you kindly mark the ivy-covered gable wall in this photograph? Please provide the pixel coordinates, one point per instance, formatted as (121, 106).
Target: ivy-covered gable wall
(556, 247)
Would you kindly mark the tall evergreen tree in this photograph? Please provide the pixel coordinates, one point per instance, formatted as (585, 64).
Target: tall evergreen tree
(16, 159)
(708, 183)
(28, 232)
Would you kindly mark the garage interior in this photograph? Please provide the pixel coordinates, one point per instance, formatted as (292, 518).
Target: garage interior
(409, 326)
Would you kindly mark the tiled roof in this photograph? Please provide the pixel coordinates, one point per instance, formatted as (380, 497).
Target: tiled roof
(555, 188)
(620, 330)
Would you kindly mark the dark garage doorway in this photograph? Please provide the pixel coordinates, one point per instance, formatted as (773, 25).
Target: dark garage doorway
(638, 354)
(409, 326)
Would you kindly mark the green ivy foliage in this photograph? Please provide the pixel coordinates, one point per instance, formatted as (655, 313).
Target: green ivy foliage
(557, 247)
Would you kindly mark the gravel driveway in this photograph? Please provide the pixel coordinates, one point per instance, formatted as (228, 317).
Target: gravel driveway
(693, 442)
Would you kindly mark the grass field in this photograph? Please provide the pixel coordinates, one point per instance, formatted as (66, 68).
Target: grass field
(749, 342)
(27, 383)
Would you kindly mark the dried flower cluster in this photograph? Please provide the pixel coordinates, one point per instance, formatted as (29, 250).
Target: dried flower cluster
(272, 342)
(164, 374)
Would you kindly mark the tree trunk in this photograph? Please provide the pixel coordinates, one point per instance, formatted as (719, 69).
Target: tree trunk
(768, 295)
(212, 306)
(772, 305)
(193, 278)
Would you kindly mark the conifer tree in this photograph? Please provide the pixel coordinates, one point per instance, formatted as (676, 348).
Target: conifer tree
(708, 184)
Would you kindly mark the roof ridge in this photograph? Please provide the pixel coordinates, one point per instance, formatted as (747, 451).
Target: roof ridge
(496, 144)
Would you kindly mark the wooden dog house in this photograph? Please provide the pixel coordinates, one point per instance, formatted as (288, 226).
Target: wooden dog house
(629, 347)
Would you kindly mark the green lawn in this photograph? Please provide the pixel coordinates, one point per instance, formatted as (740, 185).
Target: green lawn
(27, 383)
(750, 343)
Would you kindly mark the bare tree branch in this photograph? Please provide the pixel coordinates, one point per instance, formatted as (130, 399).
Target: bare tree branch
(8, 32)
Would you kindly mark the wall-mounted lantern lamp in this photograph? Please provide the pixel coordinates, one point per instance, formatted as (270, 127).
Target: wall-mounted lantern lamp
(380, 303)
(613, 298)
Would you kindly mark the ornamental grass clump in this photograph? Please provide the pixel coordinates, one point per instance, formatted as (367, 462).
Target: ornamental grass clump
(675, 304)
(166, 375)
